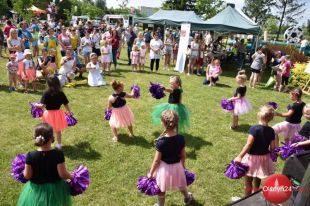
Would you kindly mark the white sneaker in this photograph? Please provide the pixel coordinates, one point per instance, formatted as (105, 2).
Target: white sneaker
(58, 146)
(156, 204)
(189, 198)
(235, 198)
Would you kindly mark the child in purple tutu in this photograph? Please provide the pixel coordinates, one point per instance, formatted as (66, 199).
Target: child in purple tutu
(256, 152)
(46, 171)
(241, 104)
(122, 115)
(169, 161)
(291, 125)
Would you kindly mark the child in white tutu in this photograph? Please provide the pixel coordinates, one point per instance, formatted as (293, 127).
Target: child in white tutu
(291, 125)
(94, 77)
(241, 104)
(256, 152)
(169, 161)
(122, 115)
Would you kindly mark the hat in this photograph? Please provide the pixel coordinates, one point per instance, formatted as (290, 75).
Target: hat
(92, 54)
(27, 51)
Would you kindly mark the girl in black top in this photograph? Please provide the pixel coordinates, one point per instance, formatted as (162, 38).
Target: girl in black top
(46, 171)
(169, 161)
(305, 130)
(174, 103)
(256, 152)
(241, 104)
(291, 125)
(122, 115)
(52, 100)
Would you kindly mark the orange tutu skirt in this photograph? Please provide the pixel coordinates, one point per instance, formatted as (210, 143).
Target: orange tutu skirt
(121, 117)
(170, 176)
(260, 166)
(30, 75)
(56, 118)
(20, 71)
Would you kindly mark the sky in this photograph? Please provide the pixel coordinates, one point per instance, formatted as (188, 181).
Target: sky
(157, 3)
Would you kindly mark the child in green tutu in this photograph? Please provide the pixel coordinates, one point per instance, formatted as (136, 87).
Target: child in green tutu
(174, 103)
(46, 171)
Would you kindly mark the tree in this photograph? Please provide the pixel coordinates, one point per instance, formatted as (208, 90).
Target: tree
(22, 8)
(101, 4)
(3, 7)
(258, 10)
(209, 8)
(271, 25)
(289, 10)
(184, 5)
(123, 3)
(308, 27)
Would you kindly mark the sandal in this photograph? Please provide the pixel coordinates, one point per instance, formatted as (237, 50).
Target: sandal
(115, 139)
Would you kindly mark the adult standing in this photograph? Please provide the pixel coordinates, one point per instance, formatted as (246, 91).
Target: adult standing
(107, 35)
(75, 40)
(8, 28)
(303, 44)
(115, 41)
(51, 43)
(14, 42)
(25, 35)
(64, 41)
(168, 43)
(95, 38)
(147, 39)
(156, 45)
(130, 38)
(86, 47)
(194, 54)
(240, 53)
(139, 41)
(259, 59)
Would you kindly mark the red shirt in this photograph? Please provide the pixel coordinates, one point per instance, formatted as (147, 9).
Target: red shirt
(115, 42)
(7, 29)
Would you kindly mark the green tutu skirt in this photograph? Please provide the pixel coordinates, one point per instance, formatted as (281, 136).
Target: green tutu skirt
(179, 108)
(48, 194)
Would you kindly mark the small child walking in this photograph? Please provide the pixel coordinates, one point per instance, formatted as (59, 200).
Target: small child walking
(256, 152)
(285, 73)
(135, 56)
(241, 104)
(29, 71)
(105, 57)
(12, 67)
(169, 160)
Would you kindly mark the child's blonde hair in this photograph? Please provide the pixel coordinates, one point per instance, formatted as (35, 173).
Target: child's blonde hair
(305, 110)
(135, 48)
(116, 84)
(241, 76)
(266, 113)
(169, 119)
(177, 80)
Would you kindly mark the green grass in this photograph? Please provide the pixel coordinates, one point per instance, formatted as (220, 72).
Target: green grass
(114, 167)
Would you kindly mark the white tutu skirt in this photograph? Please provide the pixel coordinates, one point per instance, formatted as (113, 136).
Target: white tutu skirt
(242, 106)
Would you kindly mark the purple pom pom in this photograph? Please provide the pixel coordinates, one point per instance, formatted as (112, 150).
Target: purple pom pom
(190, 177)
(236, 170)
(287, 150)
(70, 119)
(107, 114)
(136, 91)
(147, 186)
(80, 180)
(227, 105)
(156, 91)
(18, 166)
(273, 104)
(297, 138)
(274, 154)
(36, 112)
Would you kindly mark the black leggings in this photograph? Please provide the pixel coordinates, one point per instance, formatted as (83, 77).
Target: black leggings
(152, 64)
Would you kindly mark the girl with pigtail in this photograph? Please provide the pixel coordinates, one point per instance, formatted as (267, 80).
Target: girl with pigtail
(169, 161)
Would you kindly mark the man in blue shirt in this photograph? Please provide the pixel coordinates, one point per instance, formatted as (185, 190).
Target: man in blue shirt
(25, 35)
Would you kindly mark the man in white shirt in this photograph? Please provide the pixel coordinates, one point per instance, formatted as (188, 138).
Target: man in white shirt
(303, 44)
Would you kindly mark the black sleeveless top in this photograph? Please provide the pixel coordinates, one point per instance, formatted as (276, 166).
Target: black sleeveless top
(175, 96)
(120, 101)
(241, 91)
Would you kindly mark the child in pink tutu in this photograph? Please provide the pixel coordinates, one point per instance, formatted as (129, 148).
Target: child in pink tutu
(46, 171)
(241, 104)
(169, 161)
(105, 57)
(12, 67)
(122, 115)
(135, 56)
(52, 100)
(291, 125)
(142, 57)
(256, 152)
(29, 71)
(214, 70)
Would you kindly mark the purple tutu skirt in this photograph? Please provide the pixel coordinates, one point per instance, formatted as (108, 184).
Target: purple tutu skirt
(260, 166)
(286, 129)
(242, 106)
(170, 176)
(121, 117)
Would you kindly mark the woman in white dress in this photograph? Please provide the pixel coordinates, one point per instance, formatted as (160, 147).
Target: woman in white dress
(67, 68)
(156, 45)
(94, 77)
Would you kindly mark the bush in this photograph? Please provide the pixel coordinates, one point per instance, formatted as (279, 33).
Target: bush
(298, 76)
(295, 55)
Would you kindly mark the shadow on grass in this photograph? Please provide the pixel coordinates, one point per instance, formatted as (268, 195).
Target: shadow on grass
(81, 150)
(40, 89)
(136, 140)
(193, 203)
(244, 128)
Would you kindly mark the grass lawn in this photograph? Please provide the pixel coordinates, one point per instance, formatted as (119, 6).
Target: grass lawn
(114, 167)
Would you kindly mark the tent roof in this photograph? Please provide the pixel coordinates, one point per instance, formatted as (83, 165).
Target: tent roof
(232, 20)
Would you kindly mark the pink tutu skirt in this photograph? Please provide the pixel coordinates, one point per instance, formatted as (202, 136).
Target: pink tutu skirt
(105, 59)
(286, 129)
(56, 118)
(260, 166)
(242, 106)
(20, 71)
(142, 60)
(170, 176)
(121, 117)
(30, 75)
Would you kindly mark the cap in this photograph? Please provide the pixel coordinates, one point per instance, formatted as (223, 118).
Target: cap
(27, 51)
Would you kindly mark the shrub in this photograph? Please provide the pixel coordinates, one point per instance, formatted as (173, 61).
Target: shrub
(295, 55)
(299, 77)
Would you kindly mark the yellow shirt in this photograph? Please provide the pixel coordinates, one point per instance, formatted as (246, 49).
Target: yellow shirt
(74, 41)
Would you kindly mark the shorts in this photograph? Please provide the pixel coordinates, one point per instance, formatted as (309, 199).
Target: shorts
(35, 44)
(168, 51)
(86, 53)
(284, 80)
(256, 71)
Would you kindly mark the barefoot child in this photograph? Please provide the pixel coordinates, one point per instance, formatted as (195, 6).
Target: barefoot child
(12, 67)
(29, 71)
(135, 56)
